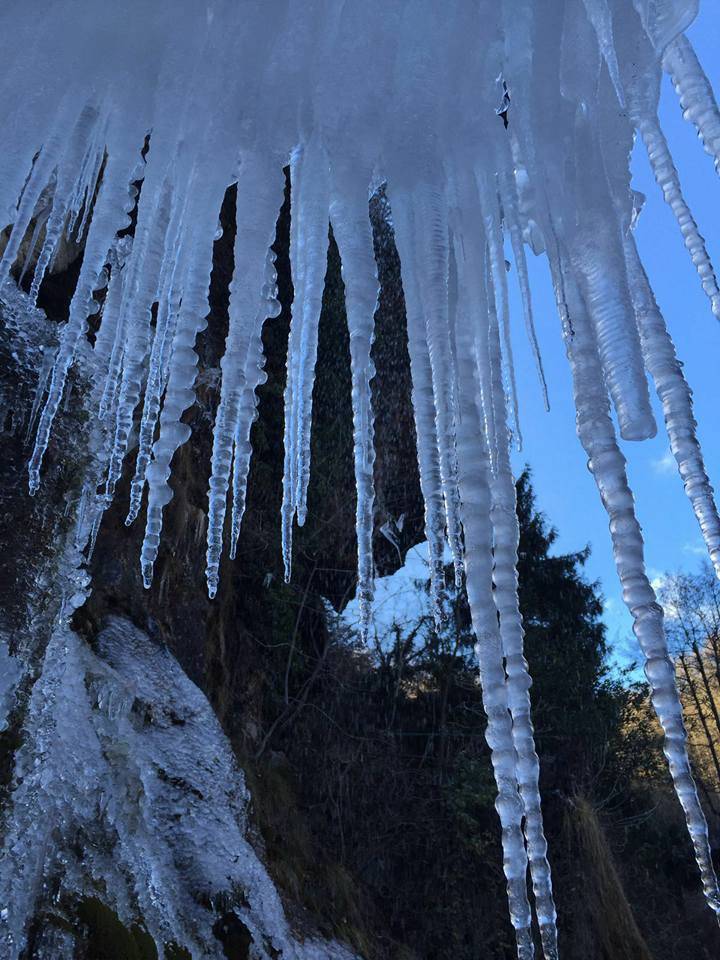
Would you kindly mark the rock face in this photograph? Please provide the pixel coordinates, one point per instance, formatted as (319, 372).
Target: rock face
(82, 677)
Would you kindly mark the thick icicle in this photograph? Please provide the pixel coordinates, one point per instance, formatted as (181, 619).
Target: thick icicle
(259, 198)
(696, 95)
(676, 398)
(423, 399)
(308, 255)
(607, 464)
(428, 245)
(599, 264)
(474, 474)
(169, 294)
(350, 218)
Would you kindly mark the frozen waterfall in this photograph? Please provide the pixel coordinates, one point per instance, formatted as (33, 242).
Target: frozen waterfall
(482, 119)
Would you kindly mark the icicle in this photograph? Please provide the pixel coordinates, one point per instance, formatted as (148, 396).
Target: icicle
(676, 398)
(308, 258)
(429, 250)
(109, 210)
(599, 265)
(81, 197)
(106, 339)
(179, 393)
(506, 540)
(349, 214)
(668, 180)
(258, 201)
(423, 400)
(478, 337)
(43, 170)
(80, 225)
(150, 250)
(493, 231)
(696, 95)
(254, 376)
(168, 308)
(66, 177)
(607, 464)
(41, 218)
(511, 216)
(474, 470)
(600, 17)
(308, 255)
(663, 20)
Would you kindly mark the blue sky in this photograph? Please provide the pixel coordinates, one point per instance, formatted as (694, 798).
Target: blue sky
(565, 489)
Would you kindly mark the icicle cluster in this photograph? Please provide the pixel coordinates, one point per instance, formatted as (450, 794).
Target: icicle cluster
(486, 120)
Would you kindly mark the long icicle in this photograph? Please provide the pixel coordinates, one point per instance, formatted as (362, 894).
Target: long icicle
(254, 376)
(350, 217)
(506, 541)
(430, 240)
(474, 475)
(477, 313)
(180, 392)
(607, 464)
(308, 257)
(258, 201)
(422, 400)
(148, 248)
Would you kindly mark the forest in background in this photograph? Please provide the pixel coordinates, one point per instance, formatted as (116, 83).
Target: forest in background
(378, 756)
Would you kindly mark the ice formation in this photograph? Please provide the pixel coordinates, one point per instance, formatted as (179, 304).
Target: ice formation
(484, 120)
(129, 790)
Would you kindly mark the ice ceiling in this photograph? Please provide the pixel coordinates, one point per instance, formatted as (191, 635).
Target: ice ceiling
(487, 122)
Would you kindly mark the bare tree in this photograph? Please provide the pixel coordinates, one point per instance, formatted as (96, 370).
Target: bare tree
(692, 606)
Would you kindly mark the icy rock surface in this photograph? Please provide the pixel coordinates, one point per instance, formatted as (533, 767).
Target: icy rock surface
(127, 789)
(483, 120)
(10, 674)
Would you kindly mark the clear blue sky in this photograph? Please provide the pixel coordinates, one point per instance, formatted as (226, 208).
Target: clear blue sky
(565, 489)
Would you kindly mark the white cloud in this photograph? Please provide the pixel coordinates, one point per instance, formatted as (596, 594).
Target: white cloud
(666, 464)
(658, 580)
